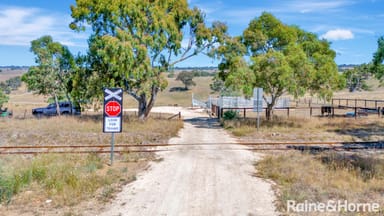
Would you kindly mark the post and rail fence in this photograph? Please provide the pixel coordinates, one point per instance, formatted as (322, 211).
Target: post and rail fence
(337, 107)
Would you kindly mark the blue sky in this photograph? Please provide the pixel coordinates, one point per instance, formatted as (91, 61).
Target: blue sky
(352, 26)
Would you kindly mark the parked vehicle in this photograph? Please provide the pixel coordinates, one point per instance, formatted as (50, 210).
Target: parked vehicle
(5, 113)
(66, 108)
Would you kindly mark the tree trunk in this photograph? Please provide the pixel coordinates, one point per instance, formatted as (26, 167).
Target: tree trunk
(57, 105)
(145, 106)
(142, 107)
(268, 111)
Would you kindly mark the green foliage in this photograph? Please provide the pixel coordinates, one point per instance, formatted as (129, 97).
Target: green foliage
(356, 77)
(10, 85)
(230, 115)
(133, 42)
(14, 83)
(53, 74)
(218, 85)
(201, 73)
(3, 98)
(171, 75)
(283, 59)
(186, 78)
(57, 175)
(378, 58)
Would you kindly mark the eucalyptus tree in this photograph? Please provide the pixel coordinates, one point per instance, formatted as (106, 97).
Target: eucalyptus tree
(378, 58)
(356, 77)
(3, 98)
(186, 78)
(52, 74)
(280, 59)
(133, 42)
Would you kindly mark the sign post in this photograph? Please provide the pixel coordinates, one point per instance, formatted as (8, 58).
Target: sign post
(112, 114)
(258, 103)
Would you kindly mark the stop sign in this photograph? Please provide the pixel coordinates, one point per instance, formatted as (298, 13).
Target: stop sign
(112, 108)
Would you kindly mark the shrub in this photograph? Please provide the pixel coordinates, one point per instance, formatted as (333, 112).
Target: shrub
(230, 115)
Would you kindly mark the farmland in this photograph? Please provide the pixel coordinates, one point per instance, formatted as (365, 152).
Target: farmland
(354, 176)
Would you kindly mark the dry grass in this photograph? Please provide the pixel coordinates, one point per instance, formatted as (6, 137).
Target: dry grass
(179, 98)
(309, 129)
(301, 176)
(6, 74)
(83, 130)
(26, 182)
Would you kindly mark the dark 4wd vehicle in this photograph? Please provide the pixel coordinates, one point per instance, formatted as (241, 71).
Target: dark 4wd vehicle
(66, 108)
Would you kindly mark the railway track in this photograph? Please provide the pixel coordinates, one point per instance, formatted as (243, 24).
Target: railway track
(256, 146)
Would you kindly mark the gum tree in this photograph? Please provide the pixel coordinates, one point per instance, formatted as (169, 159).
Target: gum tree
(52, 74)
(378, 58)
(280, 59)
(3, 98)
(133, 42)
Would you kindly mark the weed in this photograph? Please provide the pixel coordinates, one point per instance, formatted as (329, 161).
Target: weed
(107, 193)
(230, 115)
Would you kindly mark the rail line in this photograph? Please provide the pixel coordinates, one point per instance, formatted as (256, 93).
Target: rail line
(161, 147)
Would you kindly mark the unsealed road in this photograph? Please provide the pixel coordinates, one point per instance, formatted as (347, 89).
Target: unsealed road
(198, 180)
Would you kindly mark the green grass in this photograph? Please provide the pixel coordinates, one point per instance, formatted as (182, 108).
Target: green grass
(68, 177)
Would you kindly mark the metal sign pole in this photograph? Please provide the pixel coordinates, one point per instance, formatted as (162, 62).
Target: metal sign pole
(258, 107)
(258, 111)
(112, 114)
(112, 146)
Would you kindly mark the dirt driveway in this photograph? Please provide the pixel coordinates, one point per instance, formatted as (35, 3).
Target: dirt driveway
(214, 179)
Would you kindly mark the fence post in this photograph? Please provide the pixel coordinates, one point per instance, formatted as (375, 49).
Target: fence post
(245, 113)
(310, 111)
(288, 112)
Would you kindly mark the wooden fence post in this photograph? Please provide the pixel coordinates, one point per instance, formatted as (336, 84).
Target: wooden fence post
(310, 112)
(288, 112)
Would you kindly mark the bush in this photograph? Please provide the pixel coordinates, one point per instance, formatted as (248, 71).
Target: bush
(230, 115)
(171, 75)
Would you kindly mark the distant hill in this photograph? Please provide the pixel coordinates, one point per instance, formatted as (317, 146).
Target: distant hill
(12, 67)
(195, 68)
(344, 67)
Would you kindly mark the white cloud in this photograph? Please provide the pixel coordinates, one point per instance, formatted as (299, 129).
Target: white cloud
(338, 34)
(19, 26)
(315, 5)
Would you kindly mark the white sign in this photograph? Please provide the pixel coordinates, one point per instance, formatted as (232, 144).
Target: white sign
(258, 100)
(113, 94)
(112, 124)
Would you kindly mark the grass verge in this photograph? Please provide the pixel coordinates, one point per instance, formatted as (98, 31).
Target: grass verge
(34, 183)
(308, 129)
(319, 178)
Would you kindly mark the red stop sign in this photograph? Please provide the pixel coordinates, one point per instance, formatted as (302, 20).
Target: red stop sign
(112, 108)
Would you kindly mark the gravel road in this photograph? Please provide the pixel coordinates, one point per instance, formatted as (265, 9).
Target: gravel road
(198, 180)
